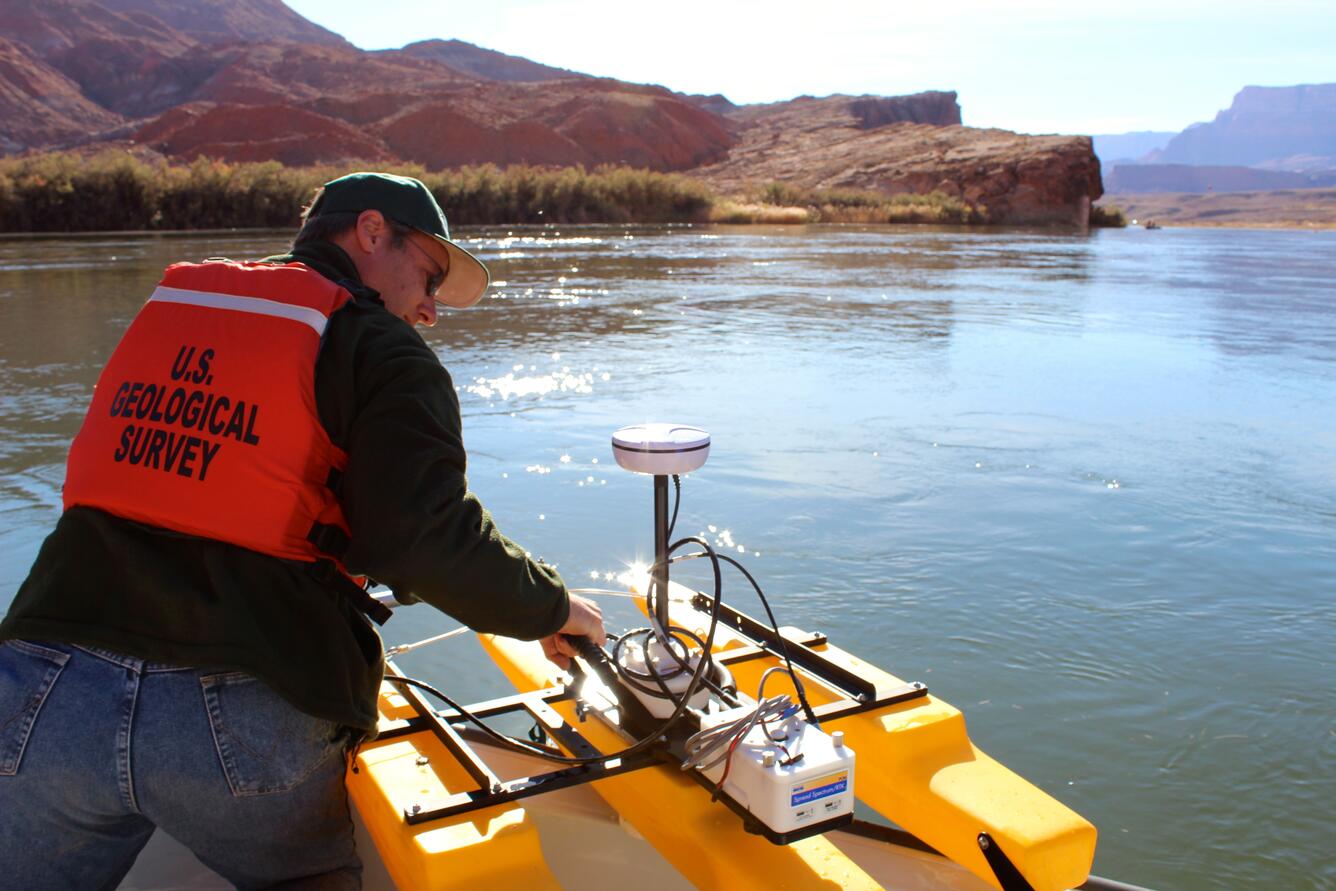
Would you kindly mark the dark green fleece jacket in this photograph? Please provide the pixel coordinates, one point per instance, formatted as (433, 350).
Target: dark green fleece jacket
(385, 399)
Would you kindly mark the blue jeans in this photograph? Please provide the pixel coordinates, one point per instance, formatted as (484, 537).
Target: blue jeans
(98, 748)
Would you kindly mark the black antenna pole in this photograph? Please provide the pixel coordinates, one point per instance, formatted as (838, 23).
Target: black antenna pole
(659, 579)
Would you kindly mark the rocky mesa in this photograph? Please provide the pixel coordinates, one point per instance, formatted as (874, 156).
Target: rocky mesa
(912, 144)
(246, 80)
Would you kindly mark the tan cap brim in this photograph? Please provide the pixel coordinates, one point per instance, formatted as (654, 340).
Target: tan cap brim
(466, 279)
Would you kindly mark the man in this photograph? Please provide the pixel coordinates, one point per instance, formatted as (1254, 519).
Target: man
(191, 649)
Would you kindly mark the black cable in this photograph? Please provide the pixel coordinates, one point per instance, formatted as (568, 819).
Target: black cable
(525, 748)
(699, 674)
(779, 638)
(651, 607)
(677, 502)
(638, 745)
(638, 680)
(669, 634)
(629, 677)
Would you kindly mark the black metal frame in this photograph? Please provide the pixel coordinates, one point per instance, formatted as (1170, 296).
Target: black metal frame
(449, 726)
(860, 694)
(492, 790)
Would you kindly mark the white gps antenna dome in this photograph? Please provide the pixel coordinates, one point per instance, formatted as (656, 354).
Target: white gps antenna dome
(661, 449)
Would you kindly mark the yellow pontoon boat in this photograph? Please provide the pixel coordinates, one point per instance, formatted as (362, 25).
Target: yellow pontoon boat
(732, 790)
(709, 749)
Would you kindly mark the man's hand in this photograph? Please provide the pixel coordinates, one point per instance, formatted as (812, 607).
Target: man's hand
(585, 620)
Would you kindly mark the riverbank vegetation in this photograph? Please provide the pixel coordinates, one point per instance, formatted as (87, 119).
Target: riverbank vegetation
(116, 190)
(1107, 216)
(120, 190)
(854, 206)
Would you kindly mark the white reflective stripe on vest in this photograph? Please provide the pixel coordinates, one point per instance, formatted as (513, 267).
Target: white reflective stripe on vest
(257, 305)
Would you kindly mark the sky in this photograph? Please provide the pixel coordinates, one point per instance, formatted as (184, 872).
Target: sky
(1033, 66)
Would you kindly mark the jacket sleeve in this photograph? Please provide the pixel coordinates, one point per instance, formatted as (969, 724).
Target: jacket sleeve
(414, 525)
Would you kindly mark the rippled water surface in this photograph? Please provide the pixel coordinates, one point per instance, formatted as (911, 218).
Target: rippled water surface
(1084, 487)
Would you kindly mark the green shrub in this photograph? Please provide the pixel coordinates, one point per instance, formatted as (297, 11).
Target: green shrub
(1109, 216)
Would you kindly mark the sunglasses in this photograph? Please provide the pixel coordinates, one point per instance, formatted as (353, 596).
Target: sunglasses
(438, 277)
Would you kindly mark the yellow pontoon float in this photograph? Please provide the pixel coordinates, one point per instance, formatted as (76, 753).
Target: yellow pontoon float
(734, 748)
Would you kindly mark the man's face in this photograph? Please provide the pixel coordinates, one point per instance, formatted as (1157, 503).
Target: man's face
(411, 277)
(407, 274)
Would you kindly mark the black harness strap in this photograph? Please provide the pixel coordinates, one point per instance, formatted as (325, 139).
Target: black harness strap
(329, 539)
(334, 541)
(328, 573)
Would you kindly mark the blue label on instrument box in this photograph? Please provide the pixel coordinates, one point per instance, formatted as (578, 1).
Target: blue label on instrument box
(824, 787)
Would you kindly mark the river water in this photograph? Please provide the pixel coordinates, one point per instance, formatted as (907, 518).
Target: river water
(1081, 486)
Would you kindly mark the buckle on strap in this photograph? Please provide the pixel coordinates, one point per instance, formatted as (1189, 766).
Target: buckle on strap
(330, 575)
(373, 608)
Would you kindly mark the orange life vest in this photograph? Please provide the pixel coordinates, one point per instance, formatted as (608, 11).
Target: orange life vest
(204, 420)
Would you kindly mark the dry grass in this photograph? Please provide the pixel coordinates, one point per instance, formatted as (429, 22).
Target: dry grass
(115, 189)
(728, 211)
(861, 206)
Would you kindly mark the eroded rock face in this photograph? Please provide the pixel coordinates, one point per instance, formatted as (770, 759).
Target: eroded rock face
(438, 118)
(133, 77)
(278, 132)
(939, 108)
(225, 21)
(1279, 128)
(49, 26)
(825, 144)
(40, 105)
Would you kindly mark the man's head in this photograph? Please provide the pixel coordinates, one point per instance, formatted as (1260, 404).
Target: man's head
(397, 237)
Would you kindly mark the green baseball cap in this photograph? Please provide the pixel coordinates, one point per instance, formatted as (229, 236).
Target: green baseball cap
(407, 201)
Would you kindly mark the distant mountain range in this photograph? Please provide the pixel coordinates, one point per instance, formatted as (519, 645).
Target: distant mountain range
(1274, 128)
(1127, 148)
(1269, 138)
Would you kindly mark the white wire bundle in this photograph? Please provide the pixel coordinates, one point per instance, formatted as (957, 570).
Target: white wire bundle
(709, 747)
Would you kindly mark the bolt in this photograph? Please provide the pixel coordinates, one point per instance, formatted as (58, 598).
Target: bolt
(422, 759)
(415, 809)
(983, 842)
(496, 788)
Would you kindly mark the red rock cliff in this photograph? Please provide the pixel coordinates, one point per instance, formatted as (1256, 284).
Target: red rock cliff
(830, 144)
